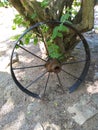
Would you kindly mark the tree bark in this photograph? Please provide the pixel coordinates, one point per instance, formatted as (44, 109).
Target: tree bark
(87, 14)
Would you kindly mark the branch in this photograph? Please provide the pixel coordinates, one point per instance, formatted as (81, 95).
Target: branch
(18, 6)
(57, 6)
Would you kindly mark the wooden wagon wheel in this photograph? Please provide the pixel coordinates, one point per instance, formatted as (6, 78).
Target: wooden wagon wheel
(32, 73)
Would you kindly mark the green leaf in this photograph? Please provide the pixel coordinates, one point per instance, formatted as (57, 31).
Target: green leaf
(44, 3)
(62, 28)
(55, 32)
(65, 17)
(59, 34)
(54, 51)
(16, 46)
(33, 16)
(18, 19)
(13, 27)
(44, 28)
(77, 4)
(21, 42)
(27, 38)
(15, 37)
(35, 40)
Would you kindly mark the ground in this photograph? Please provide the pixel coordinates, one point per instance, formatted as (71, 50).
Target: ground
(18, 111)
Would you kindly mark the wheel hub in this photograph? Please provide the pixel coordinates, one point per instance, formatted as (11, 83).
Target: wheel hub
(53, 65)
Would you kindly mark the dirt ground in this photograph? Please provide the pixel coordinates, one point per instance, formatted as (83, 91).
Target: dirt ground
(19, 111)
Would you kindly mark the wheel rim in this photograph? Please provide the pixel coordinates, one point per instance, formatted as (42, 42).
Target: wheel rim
(59, 68)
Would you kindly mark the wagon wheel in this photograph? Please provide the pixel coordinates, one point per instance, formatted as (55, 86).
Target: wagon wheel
(33, 73)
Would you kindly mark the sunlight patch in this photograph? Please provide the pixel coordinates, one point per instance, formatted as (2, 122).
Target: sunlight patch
(7, 107)
(93, 88)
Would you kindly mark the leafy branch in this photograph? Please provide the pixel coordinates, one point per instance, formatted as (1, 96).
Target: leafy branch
(57, 32)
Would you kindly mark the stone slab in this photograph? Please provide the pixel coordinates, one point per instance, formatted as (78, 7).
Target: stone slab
(84, 109)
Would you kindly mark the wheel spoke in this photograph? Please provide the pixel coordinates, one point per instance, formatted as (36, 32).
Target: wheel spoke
(74, 62)
(71, 75)
(46, 83)
(28, 67)
(36, 79)
(31, 53)
(60, 82)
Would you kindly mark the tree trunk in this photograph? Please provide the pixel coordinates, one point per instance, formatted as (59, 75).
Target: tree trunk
(83, 21)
